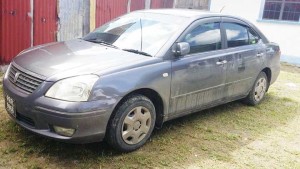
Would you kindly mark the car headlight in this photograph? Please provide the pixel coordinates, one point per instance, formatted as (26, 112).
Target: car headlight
(76, 89)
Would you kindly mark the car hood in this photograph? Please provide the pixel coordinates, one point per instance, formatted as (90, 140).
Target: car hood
(76, 57)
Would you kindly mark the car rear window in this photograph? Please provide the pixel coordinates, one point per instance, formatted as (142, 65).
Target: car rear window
(237, 35)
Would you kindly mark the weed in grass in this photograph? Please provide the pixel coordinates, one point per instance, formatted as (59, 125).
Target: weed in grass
(164, 163)
(2, 135)
(203, 148)
(34, 166)
(10, 150)
(231, 136)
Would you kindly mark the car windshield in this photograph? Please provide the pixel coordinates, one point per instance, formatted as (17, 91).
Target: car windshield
(142, 33)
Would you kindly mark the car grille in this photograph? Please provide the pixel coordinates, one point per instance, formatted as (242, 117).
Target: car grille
(23, 81)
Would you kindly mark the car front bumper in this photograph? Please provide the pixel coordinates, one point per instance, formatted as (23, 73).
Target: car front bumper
(39, 114)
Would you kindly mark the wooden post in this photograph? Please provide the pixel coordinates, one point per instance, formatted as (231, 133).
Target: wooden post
(92, 15)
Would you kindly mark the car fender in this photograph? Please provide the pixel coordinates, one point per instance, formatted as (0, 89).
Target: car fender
(116, 85)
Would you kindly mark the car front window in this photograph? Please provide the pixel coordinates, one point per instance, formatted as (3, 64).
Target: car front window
(204, 38)
(142, 32)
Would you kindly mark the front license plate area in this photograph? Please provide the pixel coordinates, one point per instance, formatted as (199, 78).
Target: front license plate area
(10, 105)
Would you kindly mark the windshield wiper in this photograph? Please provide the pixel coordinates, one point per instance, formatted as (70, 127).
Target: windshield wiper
(101, 42)
(137, 52)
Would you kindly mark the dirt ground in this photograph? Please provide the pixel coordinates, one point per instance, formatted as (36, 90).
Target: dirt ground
(228, 136)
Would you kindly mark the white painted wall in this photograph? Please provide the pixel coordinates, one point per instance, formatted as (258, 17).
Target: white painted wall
(287, 35)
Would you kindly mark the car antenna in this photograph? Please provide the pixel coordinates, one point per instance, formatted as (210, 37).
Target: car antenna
(141, 34)
(222, 9)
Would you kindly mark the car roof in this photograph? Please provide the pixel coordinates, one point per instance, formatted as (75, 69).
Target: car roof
(183, 12)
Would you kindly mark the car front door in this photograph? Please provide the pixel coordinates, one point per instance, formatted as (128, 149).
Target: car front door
(244, 60)
(198, 78)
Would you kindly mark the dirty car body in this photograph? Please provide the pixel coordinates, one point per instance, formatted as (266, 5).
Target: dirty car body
(182, 60)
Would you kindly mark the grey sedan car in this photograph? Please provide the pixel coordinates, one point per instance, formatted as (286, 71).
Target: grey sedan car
(136, 72)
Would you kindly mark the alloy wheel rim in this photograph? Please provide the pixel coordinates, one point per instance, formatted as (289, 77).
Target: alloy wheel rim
(260, 89)
(136, 125)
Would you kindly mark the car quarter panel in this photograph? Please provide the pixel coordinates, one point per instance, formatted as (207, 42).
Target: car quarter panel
(272, 60)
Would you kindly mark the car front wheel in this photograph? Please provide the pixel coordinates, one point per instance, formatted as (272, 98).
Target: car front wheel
(132, 124)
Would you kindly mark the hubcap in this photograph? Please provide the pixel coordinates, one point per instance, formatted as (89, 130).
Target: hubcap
(260, 89)
(136, 125)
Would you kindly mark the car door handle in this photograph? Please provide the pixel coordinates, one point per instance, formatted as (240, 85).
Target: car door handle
(221, 62)
(260, 55)
(270, 51)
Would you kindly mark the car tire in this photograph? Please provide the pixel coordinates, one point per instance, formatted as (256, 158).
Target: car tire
(258, 91)
(131, 124)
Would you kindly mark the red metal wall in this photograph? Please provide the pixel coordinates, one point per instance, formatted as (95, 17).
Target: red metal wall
(1, 18)
(45, 21)
(162, 4)
(15, 28)
(107, 10)
(137, 5)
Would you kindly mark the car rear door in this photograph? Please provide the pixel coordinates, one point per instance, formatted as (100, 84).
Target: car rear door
(198, 78)
(244, 51)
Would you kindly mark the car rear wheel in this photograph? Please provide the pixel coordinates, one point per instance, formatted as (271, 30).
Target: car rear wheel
(132, 124)
(258, 91)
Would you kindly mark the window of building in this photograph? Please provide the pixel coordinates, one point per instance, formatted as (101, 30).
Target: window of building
(287, 10)
(206, 37)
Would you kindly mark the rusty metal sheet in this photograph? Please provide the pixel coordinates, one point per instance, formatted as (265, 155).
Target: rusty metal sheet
(192, 4)
(107, 10)
(73, 19)
(15, 28)
(137, 5)
(162, 4)
(45, 21)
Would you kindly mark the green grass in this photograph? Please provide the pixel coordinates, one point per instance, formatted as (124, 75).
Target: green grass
(228, 136)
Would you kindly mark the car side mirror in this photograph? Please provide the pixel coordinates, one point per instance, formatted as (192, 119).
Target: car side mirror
(181, 48)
